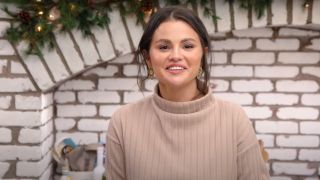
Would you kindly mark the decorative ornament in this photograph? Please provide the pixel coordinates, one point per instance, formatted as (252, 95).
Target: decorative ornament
(54, 14)
(24, 16)
(72, 7)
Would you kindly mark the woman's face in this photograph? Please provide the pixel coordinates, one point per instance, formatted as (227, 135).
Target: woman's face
(175, 54)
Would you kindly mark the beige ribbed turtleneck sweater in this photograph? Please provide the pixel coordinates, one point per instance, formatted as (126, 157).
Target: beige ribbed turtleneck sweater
(205, 139)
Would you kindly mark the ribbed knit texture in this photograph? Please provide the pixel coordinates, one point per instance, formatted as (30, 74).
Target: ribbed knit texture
(205, 139)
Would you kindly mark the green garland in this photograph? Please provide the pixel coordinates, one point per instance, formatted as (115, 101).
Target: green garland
(37, 20)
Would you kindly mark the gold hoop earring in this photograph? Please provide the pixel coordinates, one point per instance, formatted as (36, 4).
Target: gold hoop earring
(199, 73)
(150, 73)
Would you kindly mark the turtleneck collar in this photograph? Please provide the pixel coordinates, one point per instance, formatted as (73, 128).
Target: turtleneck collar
(183, 107)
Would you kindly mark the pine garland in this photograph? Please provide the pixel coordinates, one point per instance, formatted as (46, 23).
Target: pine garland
(38, 20)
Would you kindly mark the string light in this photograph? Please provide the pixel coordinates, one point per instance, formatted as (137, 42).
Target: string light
(40, 13)
(38, 28)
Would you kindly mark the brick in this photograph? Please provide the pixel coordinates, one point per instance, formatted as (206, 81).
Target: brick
(315, 44)
(231, 71)
(11, 7)
(311, 178)
(3, 65)
(241, 20)
(108, 110)
(16, 85)
(278, 44)
(103, 43)
(219, 57)
(33, 169)
(133, 96)
(276, 99)
(282, 154)
(47, 174)
(118, 84)
(231, 44)
(297, 141)
(315, 16)
(297, 86)
(93, 125)
(276, 127)
(55, 64)
(71, 56)
(303, 113)
(47, 144)
(46, 114)
(132, 70)
(253, 58)
(118, 34)
(77, 85)
(5, 102)
(98, 97)
(108, 71)
(3, 27)
(135, 30)
(79, 137)
(310, 99)
(5, 135)
(27, 102)
(64, 96)
(14, 152)
(36, 68)
(292, 168)
(309, 155)
(279, 12)
(4, 167)
(280, 178)
(46, 100)
(268, 140)
(219, 85)
(258, 112)
(260, 22)
(253, 32)
(223, 11)
(297, 32)
(251, 85)
(150, 84)
(239, 98)
(86, 47)
(299, 15)
(17, 68)
(19, 118)
(28, 135)
(6, 48)
(103, 136)
(76, 110)
(310, 127)
(299, 58)
(124, 59)
(63, 124)
(276, 71)
(206, 20)
(313, 71)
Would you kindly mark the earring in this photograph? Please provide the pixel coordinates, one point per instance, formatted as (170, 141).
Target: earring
(199, 73)
(150, 73)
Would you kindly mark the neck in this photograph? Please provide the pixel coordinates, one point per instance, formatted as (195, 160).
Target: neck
(180, 94)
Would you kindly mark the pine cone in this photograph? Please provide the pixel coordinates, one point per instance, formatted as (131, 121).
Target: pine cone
(24, 16)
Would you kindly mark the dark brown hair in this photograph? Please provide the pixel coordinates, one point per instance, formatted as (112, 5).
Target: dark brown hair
(182, 14)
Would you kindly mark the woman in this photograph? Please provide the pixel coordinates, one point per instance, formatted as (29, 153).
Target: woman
(181, 132)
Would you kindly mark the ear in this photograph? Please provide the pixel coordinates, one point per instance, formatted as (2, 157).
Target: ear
(146, 57)
(206, 50)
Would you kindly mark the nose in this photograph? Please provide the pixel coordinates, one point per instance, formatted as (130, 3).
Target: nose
(175, 54)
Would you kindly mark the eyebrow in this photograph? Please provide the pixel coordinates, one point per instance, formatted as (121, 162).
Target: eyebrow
(168, 41)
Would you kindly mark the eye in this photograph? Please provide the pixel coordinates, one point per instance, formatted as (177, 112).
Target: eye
(188, 46)
(163, 47)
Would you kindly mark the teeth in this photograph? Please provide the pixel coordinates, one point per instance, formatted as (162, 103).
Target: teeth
(175, 68)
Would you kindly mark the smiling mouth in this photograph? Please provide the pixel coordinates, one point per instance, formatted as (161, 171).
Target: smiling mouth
(175, 69)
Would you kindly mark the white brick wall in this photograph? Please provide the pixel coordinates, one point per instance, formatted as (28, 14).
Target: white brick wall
(79, 137)
(253, 32)
(296, 32)
(315, 44)
(17, 68)
(297, 141)
(231, 44)
(77, 85)
(292, 168)
(310, 99)
(276, 71)
(278, 44)
(5, 135)
(16, 85)
(5, 102)
(276, 127)
(282, 154)
(239, 98)
(298, 113)
(76, 110)
(33, 169)
(19, 118)
(253, 58)
(4, 167)
(276, 99)
(13, 152)
(62, 124)
(252, 85)
(258, 112)
(310, 127)
(108, 71)
(219, 58)
(27, 102)
(231, 71)
(118, 84)
(297, 86)
(6, 48)
(98, 97)
(309, 155)
(219, 85)
(108, 110)
(64, 96)
(267, 139)
(314, 71)
(299, 58)
(3, 65)
(93, 125)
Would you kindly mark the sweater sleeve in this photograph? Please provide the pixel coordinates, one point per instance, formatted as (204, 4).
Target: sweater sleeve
(115, 164)
(249, 159)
